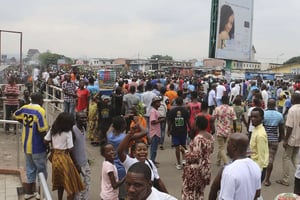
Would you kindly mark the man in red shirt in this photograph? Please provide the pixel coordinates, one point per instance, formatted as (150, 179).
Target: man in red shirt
(82, 97)
(11, 102)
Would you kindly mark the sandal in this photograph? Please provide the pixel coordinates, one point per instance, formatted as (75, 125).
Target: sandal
(282, 182)
(267, 183)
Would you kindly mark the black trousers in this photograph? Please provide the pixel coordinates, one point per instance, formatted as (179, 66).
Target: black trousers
(10, 109)
(297, 186)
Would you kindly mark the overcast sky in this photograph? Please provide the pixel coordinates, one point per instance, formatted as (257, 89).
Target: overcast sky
(141, 28)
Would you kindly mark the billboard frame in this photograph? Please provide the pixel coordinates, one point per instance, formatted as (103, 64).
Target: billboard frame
(240, 46)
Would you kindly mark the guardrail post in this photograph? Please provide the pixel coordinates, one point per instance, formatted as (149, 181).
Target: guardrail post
(45, 193)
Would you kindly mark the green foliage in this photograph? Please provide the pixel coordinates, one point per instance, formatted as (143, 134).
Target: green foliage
(140, 109)
(48, 58)
(160, 57)
(293, 60)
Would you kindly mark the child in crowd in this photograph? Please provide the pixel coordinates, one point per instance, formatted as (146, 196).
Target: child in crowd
(109, 180)
(137, 121)
(140, 154)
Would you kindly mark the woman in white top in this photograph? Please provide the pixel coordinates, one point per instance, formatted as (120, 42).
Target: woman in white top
(65, 176)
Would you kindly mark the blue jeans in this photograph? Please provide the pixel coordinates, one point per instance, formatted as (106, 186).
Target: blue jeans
(153, 149)
(163, 132)
(219, 102)
(35, 163)
(69, 107)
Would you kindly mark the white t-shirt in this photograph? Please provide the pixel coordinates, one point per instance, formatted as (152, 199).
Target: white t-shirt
(265, 97)
(36, 72)
(107, 191)
(163, 107)
(234, 92)
(61, 141)
(251, 127)
(240, 180)
(220, 91)
(130, 161)
(155, 195)
(45, 76)
(147, 100)
(211, 97)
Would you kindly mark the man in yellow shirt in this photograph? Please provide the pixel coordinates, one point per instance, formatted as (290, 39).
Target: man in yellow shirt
(259, 141)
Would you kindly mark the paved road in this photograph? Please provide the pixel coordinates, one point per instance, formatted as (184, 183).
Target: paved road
(169, 174)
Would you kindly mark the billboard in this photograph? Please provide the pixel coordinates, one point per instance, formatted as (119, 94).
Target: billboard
(234, 30)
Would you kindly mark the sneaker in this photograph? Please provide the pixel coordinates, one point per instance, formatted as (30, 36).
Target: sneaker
(29, 196)
(183, 162)
(37, 195)
(179, 167)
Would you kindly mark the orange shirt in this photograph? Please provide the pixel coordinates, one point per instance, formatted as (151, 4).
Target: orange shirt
(171, 94)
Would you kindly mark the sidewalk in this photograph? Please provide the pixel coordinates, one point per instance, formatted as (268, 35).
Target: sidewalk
(10, 176)
(8, 186)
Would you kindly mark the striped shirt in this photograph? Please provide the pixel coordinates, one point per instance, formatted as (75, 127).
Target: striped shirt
(272, 119)
(34, 122)
(9, 92)
(69, 88)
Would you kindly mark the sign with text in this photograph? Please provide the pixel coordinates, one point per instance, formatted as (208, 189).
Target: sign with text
(234, 30)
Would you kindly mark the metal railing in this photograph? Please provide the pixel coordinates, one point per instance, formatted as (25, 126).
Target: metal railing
(18, 136)
(53, 102)
(45, 193)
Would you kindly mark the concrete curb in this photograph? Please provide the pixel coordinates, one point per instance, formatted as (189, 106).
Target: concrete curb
(15, 171)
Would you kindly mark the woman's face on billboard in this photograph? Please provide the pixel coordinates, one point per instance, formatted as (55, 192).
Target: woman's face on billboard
(229, 24)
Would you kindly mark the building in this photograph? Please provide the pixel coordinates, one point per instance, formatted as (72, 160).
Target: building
(286, 69)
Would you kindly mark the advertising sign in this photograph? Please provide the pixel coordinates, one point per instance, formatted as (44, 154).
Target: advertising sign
(107, 79)
(234, 30)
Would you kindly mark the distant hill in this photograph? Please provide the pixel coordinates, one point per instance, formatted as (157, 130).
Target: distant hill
(293, 60)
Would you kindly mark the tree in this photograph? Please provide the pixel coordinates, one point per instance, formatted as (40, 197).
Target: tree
(160, 57)
(293, 60)
(48, 58)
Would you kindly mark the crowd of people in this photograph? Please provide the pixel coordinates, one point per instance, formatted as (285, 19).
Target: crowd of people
(199, 115)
